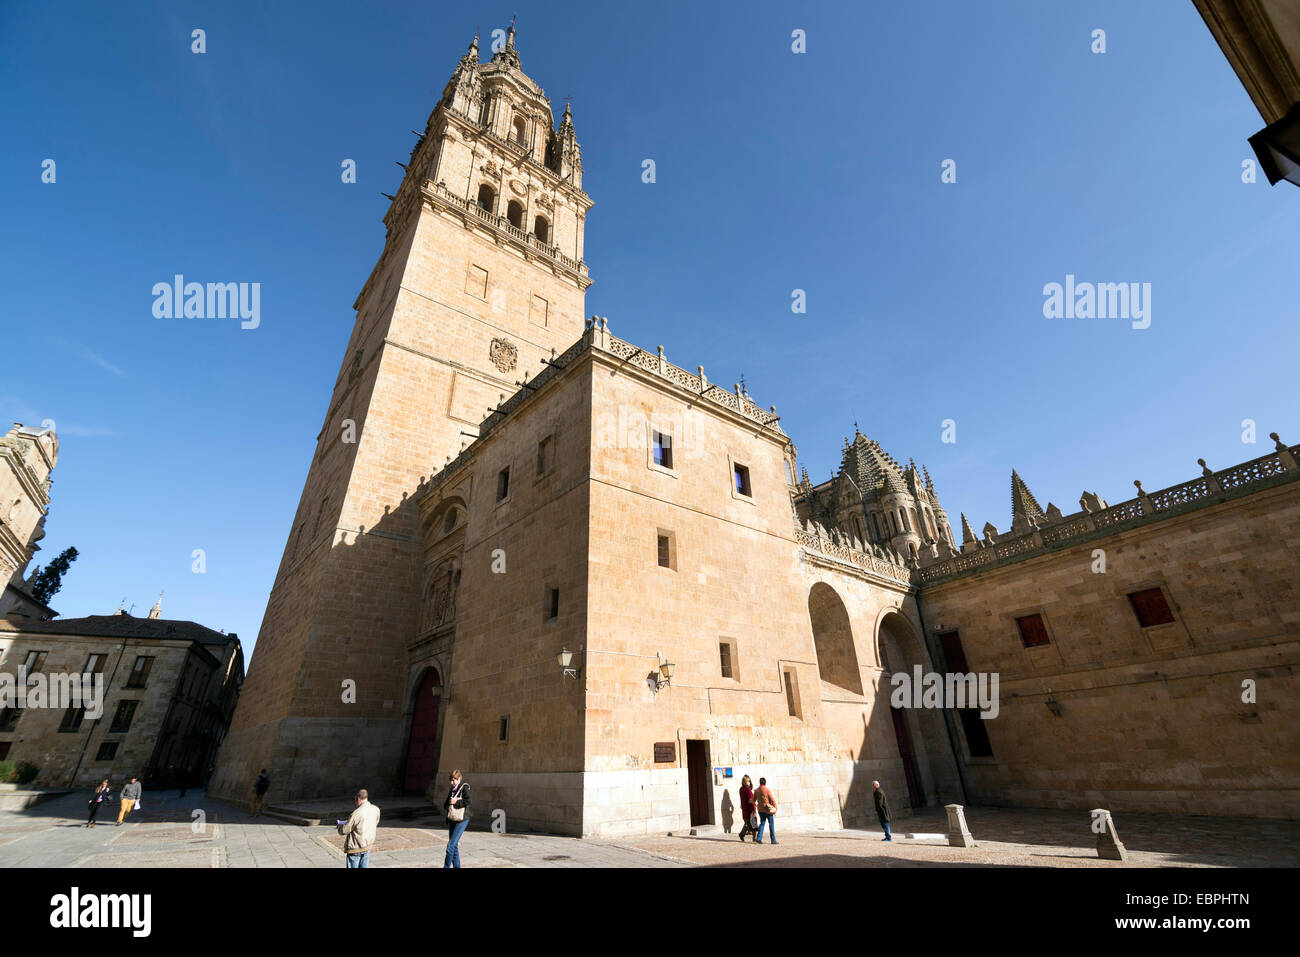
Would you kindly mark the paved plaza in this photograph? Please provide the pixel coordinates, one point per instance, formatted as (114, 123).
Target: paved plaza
(191, 831)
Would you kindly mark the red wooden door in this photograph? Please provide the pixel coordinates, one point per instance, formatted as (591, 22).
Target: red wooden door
(421, 753)
(905, 752)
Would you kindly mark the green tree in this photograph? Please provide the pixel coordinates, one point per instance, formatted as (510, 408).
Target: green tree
(47, 581)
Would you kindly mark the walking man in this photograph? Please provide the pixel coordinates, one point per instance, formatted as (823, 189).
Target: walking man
(130, 794)
(359, 831)
(766, 802)
(882, 807)
(260, 787)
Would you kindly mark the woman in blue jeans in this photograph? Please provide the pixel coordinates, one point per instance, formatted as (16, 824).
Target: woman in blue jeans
(457, 808)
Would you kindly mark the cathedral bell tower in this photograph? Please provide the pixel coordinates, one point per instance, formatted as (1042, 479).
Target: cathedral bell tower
(480, 281)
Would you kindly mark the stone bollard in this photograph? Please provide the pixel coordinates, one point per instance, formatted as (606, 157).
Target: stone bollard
(1109, 847)
(958, 833)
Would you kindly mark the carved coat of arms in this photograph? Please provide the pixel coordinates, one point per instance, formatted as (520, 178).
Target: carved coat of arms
(504, 354)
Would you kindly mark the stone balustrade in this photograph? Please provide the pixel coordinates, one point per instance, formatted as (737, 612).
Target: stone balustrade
(1211, 487)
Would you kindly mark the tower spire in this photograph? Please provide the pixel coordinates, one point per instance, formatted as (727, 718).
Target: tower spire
(967, 533)
(1024, 506)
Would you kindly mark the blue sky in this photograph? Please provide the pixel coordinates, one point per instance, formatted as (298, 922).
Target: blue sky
(775, 171)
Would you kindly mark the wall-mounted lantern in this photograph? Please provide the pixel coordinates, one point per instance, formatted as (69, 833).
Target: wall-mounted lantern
(1053, 705)
(565, 659)
(662, 676)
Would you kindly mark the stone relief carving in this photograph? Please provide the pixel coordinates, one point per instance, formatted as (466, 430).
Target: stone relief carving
(504, 354)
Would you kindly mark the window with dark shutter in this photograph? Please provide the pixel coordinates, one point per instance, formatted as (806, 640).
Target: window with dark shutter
(663, 449)
(1032, 631)
(72, 719)
(953, 653)
(977, 738)
(742, 480)
(1151, 607)
(123, 717)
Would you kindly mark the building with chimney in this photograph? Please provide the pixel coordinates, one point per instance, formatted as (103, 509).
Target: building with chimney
(170, 689)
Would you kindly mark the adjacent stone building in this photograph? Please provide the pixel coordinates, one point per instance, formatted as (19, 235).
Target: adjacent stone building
(27, 457)
(170, 691)
(601, 585)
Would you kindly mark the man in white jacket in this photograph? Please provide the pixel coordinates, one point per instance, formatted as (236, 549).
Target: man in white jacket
(359, 831)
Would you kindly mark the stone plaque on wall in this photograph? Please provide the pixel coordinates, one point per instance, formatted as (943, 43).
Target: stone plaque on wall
(665, 752)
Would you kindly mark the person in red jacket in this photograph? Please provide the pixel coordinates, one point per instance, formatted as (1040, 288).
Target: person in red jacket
(747, 810)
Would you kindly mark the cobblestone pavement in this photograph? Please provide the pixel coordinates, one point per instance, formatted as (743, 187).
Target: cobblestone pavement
(1009, 837)
(175, 831)
(190, 831)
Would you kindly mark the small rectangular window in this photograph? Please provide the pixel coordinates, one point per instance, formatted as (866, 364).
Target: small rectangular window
(539, 311)
(107, 751)
(553, 604)
(545, 455)
(476, 278)
(9, 718)
(724, 654)
(666, 545)
(72, 719)
(35, 661)
(977, 737)
(1150, 607)
(140, 671)
(94, 664)
(791, 691)
(503, 728)
(742, 480)
(953, 653)
(123, 717)
(1033, 631)
(663, 449)
(503, 484)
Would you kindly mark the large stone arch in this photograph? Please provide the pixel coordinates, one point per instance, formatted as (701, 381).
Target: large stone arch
(837, 659)
(924, 756)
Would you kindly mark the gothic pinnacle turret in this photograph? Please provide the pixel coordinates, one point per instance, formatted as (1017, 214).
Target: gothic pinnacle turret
(1024, 507)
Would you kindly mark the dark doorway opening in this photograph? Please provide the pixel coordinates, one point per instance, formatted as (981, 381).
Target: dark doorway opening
(421, 753)
(697, 778)
(904, 738)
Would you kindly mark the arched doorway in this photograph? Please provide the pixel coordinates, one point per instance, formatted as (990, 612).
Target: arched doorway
(421, 752)
(899, 649)
(837, 661)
